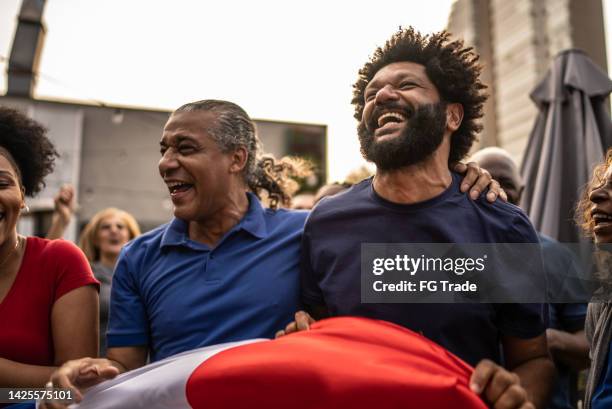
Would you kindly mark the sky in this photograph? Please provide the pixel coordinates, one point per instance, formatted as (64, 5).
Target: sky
(278, 59)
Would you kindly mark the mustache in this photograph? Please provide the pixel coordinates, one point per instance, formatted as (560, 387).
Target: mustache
(378, 110)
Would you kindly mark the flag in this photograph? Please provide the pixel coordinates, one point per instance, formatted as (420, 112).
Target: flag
(340, 363)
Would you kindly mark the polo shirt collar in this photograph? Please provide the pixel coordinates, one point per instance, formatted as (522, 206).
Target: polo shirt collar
(253, 222)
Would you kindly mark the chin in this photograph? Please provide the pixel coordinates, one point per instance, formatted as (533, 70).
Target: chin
(184, 214)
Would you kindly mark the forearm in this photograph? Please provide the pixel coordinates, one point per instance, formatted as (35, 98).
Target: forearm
(318, 312)
(17, 375)
(537, 377)
(127, 358)
(571, 349)
(58, 227)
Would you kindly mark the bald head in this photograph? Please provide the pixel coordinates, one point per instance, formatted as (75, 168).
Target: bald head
(500, 165)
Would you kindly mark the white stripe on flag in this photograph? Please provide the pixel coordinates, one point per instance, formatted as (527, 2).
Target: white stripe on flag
(158, 385)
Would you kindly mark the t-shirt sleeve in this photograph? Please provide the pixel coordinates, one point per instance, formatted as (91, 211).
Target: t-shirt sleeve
(72, 268)
(127, 324)
(310, 290)
(522, 320)
(522, 231)
(572, 316)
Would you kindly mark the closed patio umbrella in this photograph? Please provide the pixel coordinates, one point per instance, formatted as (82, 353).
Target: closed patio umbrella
(571, 135)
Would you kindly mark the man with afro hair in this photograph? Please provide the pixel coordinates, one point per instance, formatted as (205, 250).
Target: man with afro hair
(418, 101)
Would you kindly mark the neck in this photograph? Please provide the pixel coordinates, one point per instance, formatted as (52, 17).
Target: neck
(210, 230)
(109, 259)
(416, 183)
(9, 252)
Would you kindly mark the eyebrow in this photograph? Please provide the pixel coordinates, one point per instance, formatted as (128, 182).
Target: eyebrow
(179, 139)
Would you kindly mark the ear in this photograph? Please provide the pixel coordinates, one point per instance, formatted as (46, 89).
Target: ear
(238, 160)
(454, 116)
(23, 202)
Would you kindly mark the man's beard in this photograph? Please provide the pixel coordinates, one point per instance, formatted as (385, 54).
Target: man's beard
(420, 138)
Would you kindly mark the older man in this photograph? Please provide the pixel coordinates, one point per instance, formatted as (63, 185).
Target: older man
(225, 268)
(417, 102)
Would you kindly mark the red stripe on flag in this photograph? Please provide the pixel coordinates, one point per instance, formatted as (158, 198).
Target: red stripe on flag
(340, 363)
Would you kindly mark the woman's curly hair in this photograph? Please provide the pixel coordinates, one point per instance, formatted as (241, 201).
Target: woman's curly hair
(31, 151)
(451, 67)
(583, 208)
(265, 176)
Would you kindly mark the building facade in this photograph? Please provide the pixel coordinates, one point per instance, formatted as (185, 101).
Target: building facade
(517, 40)
(110, 155)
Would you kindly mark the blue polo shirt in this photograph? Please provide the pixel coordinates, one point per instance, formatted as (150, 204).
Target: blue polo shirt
(172, 294)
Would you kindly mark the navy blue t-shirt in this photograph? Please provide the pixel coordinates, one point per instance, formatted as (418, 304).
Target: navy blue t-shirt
(330, 263)
(561, 266)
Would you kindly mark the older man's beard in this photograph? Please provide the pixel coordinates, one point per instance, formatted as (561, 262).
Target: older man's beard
(420, 138)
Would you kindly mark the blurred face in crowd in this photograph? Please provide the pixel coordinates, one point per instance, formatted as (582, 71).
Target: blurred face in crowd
(403, 120)
(505, 172)
(302, 202)
(11, 197)
(112, 235)
(193, 167)
(601, 210)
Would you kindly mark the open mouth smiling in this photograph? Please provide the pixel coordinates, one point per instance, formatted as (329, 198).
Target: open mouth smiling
(175, 188)
(390, 117)
(601, 219)
(388, 121)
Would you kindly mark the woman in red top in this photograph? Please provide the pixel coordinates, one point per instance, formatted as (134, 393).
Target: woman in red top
(48, 295)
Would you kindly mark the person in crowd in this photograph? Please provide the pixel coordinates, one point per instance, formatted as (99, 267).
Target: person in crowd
(593, 213)
(418, 101)
(64, 207)
(102, 240)
(48, 294)
(225, 268)
(303, 201)
(329, 190)
(565, 333)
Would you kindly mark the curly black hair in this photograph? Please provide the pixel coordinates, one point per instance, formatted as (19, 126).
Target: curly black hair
(26, 141)
(451, 67)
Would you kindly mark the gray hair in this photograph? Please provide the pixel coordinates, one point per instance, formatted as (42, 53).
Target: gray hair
(234, 128)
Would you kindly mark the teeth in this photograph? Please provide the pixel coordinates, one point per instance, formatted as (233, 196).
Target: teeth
(395, 115)
(601, 216)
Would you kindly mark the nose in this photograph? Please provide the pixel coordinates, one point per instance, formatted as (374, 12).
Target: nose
(599, 194)
(385, 94)
(167, 162)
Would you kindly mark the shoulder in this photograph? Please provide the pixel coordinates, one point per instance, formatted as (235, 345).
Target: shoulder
(62, 263)
(283, 222)
(510, 220)
(61, 250)
(346, 202)
(144, 248)
(285, 216)
(146, 240)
